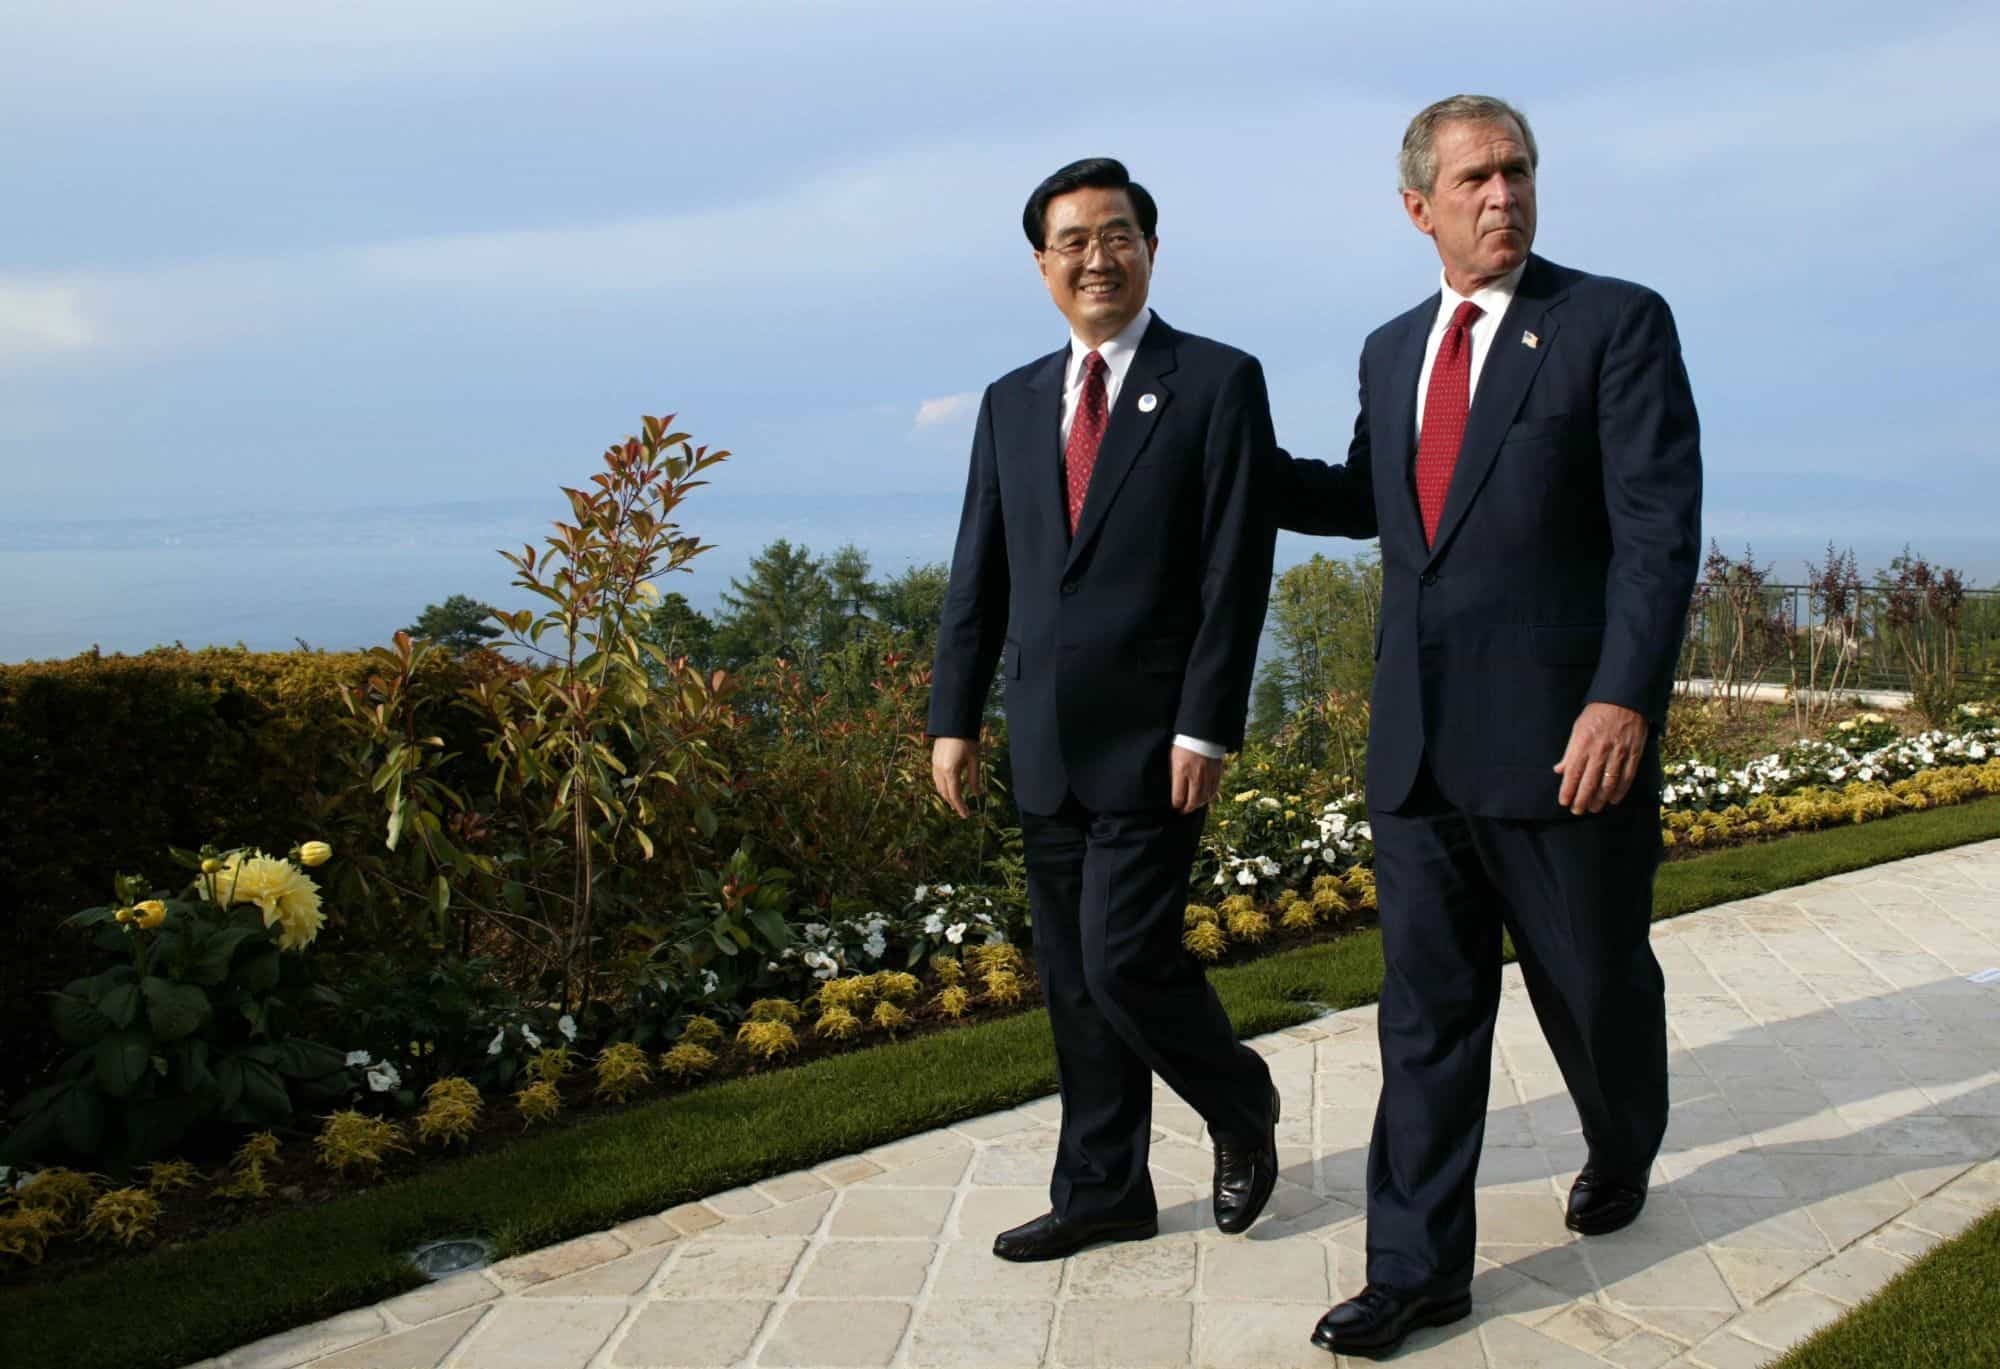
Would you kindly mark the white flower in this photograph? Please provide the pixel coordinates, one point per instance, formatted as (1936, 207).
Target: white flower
(1270, 803)
(499, 1040)
(955, 933)
(528, 1035)
(945, 891)
(815, 932)
(1363, 832)
(933, 924)
(1246, 876)
(710, 982)
(567, 1026)
(1221, 878)
(1267, 867)
(923, 892)
(358, 1058)
(1331, 855)
(384, 1077)
(822, 965)
(876, 946)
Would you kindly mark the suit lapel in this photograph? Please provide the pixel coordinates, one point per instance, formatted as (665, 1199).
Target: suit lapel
(1128, 431)
(1503, 384)
(1044, 469)
(1399, 425)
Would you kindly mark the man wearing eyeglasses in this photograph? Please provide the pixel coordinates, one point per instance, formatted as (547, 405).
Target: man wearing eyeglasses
(1113, 542)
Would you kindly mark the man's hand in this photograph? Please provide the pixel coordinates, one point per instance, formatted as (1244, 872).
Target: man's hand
(955, 770)
(1196, 778)
(1602, 759)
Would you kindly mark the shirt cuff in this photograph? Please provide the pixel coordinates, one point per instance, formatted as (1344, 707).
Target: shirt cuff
(1199, 747)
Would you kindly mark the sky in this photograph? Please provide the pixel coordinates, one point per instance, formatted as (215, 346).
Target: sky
(305, 309)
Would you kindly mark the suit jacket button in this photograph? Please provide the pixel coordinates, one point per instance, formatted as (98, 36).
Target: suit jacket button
(1428, 578)
(1069, 587)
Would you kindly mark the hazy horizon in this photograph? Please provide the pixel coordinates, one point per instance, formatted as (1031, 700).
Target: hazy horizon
(352, 577)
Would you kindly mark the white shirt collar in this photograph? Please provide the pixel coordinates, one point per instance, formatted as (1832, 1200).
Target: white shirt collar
(1492, 299)
(1117, 352)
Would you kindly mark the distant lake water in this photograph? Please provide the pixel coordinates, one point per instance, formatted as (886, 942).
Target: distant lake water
(352, 578)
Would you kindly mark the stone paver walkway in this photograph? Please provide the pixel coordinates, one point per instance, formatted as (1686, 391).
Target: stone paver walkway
(1836, 1085)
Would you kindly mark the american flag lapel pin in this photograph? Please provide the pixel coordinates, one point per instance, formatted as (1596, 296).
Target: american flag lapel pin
(1530, 340)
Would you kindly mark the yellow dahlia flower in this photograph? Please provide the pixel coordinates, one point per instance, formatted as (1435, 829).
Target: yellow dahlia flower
(288, 898)
(315, 853)
(151, 913)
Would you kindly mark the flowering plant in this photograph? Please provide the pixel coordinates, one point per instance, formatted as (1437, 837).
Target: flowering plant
(1264, 841)
(1695, 787)
(1862, 733)
(193, 1022)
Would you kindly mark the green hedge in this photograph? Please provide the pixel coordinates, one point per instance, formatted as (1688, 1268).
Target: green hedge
(115, 758)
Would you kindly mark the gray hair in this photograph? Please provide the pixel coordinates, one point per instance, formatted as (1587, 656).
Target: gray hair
(1418, 164)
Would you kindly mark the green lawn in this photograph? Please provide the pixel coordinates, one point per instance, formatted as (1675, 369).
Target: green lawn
(1942, 1312)
(173, 1306)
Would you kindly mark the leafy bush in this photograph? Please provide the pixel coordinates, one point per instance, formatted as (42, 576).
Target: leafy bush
(252, 744)
(195, 1022)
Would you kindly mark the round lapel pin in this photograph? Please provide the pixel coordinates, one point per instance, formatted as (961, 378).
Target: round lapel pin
(1148, 403)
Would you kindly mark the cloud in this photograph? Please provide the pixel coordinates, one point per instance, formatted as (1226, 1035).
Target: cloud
(36, 320)
(933, 413)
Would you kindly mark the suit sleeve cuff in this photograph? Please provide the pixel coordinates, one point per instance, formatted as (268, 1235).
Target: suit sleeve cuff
(1199, 747)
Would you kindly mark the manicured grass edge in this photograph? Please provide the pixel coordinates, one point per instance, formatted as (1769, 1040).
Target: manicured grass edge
(1942, 1310)
(209, 1296)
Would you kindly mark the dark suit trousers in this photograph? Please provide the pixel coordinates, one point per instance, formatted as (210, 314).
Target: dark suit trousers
(1576, 896)
(1109, 893)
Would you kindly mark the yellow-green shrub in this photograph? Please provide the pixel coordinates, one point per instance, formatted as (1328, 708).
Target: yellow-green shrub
(64, 1192)
(125, 1215)
(538, 1102)
(767, 1039)
(451, 1112)
(622, 1070)
(688, 1059)
(25, 1233)
(354, 1140)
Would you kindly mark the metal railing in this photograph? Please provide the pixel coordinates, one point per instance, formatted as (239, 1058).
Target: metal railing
(1774, 637)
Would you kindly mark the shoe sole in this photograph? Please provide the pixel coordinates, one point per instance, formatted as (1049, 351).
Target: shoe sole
(1257, 1208)
(1138, 1231)
(1445, 1315)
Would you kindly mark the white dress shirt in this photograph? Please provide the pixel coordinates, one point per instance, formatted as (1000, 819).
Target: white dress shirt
(1493, 301)
(1117, 353)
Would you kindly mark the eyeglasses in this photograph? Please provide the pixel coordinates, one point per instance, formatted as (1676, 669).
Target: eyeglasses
(1117, 239)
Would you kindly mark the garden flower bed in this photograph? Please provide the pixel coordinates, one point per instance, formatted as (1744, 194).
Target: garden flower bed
(1268, 898)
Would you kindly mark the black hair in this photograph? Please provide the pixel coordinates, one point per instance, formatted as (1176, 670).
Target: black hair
(1096, 173)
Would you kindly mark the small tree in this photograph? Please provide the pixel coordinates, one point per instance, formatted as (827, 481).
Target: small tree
(459, 624)
(1832, 633)
(775, 611)
(1322, 622)
(1744, 630)
(1925, 606)
(593, 745)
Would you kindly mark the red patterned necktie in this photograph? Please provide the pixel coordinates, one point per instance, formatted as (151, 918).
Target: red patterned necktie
(1086, 431)
(1445, 405)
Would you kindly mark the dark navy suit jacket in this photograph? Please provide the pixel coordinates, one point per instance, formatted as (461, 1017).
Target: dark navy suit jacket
(1565, 554)
(1146, 623)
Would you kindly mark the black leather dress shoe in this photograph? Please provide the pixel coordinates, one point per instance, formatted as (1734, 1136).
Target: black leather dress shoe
(1372, 1324)
(1048, 1237)
(1600, 1203)
(1246, 1170)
